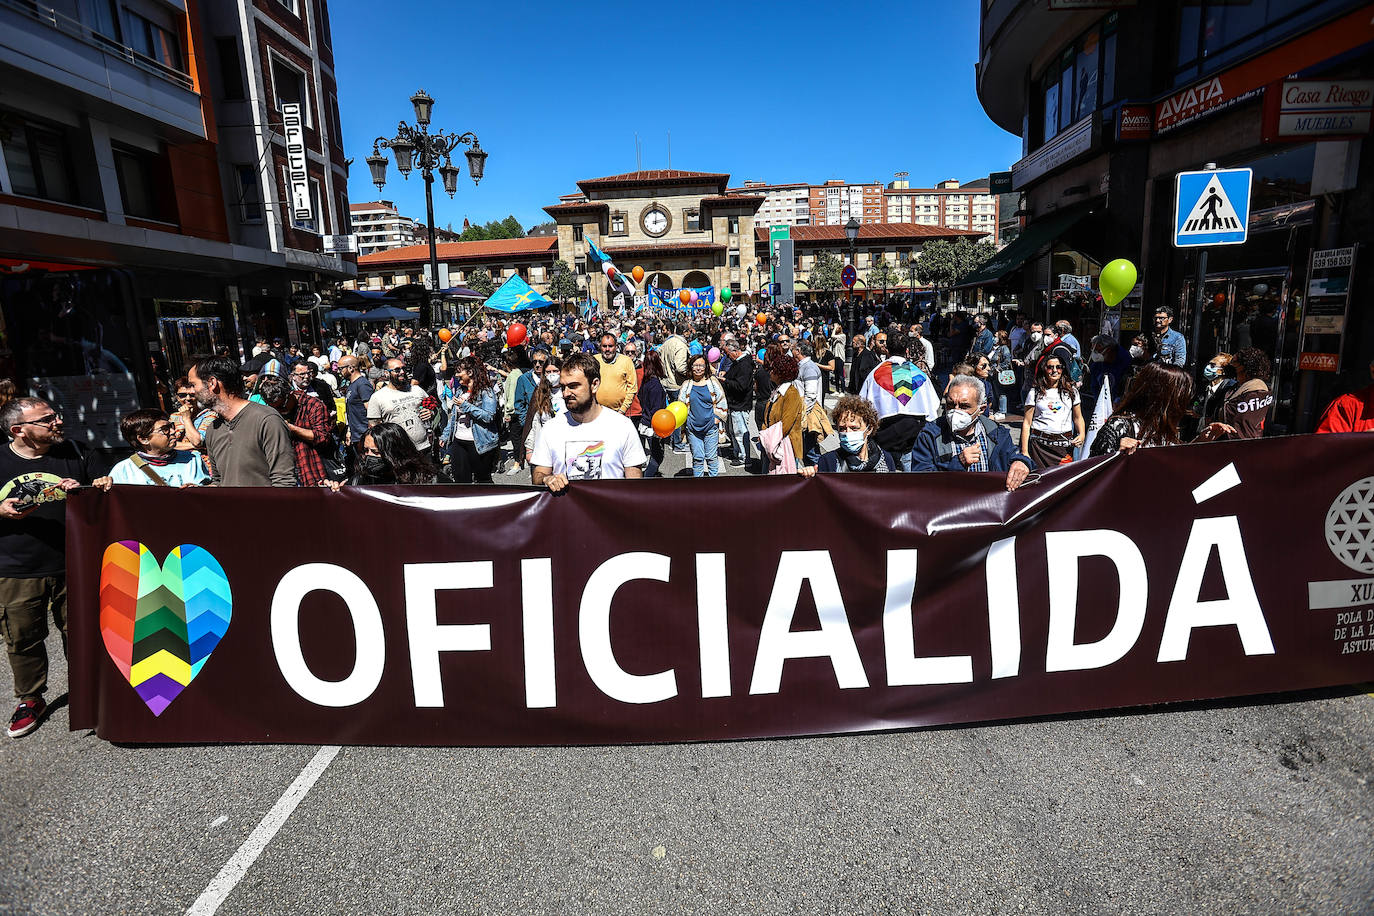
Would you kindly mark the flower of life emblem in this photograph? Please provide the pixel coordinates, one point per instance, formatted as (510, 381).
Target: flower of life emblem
(1350, 526)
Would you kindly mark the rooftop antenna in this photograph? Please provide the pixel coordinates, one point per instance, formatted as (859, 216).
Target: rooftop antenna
(637, 151)
(670, 150)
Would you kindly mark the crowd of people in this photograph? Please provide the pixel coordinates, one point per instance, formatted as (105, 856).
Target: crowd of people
(564, 398)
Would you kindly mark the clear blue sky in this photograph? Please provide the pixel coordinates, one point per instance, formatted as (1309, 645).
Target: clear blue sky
(557, 91)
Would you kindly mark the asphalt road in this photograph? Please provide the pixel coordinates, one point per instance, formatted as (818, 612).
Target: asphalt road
(1255, 807)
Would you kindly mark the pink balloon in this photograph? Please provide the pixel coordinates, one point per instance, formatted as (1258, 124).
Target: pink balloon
(694, 297)
(713, 355)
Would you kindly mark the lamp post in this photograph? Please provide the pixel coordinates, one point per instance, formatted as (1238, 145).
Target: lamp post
(750, 271)
(911, 269)
(433, 151)
(851, 229)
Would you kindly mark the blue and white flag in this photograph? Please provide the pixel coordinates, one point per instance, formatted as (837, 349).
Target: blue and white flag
(619, 282)
(515, 295)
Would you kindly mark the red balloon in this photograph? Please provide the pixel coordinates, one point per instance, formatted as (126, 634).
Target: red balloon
(516, 334)
(664, 423)
(610, 273)
(445, 335)
(1219, 299)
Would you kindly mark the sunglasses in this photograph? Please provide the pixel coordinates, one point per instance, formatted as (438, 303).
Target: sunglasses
(1054, 368)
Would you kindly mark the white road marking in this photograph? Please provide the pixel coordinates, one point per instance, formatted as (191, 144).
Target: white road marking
(219, 820)
(233, 871)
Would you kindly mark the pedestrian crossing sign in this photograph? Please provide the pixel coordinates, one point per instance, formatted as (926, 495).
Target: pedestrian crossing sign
(1212, 207)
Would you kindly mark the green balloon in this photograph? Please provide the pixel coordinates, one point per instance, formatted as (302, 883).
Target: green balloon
(1116, 281)
(725, 294)
(717, 309)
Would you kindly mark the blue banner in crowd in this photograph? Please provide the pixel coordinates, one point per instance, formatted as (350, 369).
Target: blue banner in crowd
(668, 298)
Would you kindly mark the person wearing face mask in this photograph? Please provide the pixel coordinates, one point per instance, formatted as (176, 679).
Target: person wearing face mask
(1107, 359)
(962, 439)
(388, 456)
(1219, 378)
(855, 422)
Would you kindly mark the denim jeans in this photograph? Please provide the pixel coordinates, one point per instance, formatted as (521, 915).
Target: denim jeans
(739, 435)
(676, 439)
(705, 452)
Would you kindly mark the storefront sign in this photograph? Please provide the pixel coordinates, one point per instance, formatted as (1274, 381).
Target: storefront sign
(511, 616)
(999, 183)
(293, 125)
(1331, 109)
(1135, 122)
(338, 244)
(1075, 141)
(1247, 80)
(1072, 282)
(1328, 304)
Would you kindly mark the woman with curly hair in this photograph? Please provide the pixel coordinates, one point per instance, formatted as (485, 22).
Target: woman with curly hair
(855, 422)
(1247, 405)
(1156, 402)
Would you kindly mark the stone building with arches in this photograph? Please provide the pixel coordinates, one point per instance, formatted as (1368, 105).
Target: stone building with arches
(679, 226)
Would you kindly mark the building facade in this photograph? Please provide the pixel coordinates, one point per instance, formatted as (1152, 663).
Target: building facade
(946, 204)
(529, 258)
(833, 203)
(142, 166)
(681, 227)
(1284, 91)
(380, 226)
(783, 204)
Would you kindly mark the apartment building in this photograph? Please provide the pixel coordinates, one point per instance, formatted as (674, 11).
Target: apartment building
(947, 205)
(379, 226)
(143, 170)
(833, 203)
(783, 204)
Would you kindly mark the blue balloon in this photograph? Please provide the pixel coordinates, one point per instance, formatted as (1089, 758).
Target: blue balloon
(763, 353)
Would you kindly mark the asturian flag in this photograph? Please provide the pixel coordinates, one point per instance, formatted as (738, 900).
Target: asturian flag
(1101, 412)
(619, 282)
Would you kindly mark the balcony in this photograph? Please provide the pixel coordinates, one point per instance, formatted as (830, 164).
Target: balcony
(114, 78)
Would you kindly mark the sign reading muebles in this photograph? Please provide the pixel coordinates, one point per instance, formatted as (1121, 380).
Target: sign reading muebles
(493, 616)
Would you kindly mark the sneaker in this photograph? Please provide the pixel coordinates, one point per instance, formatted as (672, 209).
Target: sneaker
(736, 463)
(26, 717)
(513, 469)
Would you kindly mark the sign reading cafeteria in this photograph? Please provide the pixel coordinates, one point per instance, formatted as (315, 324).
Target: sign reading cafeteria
(523, 617)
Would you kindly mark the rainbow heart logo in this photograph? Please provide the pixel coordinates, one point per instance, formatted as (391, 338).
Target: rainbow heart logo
(161, 621)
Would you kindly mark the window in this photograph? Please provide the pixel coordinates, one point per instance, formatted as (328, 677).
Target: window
(230, 68)
(153, 41)
(309, 225)
(288, 85)
(579, 265)
(617, 223)
(1107, 82)
(734, 259)
(577, 233)
(249, 194)
(335, 125)
(291, 6)
(103, 18)
(692, 219)
(39, 163)
(734, 225)
(345, 218)
(144, 182)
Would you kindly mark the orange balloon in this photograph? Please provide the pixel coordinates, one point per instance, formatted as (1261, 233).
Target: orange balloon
(761, 318)
(637, 273)
(664, 423)
(445, 335)
(685, 297)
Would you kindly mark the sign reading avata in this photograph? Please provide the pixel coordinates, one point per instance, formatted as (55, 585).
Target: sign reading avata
(511, 616)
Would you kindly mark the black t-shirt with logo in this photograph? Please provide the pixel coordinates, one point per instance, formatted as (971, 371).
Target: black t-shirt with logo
(35, 545)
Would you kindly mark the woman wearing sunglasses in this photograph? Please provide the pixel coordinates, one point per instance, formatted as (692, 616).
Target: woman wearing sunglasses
(1053, 423)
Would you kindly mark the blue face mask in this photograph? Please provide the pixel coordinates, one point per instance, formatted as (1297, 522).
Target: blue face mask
(1210, 371)
(851, 441)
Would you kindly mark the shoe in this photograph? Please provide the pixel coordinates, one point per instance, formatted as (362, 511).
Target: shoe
(999, 417)
(26, 717)
(736, 463)
(513, 469)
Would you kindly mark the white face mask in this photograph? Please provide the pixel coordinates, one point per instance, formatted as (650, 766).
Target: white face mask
(1097, 356)
(551, 378)
(1137, 352)
(959, 419)
(1036, 337)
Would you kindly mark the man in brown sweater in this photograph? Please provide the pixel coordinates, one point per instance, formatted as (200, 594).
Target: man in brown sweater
(248, 443)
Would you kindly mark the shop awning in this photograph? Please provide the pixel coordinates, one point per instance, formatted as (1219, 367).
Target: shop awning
(1035, 237)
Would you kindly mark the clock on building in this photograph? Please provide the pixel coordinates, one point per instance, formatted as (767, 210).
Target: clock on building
(655, 220)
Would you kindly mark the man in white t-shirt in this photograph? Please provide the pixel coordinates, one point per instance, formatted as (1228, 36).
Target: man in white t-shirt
(587, 441)
(399, 403)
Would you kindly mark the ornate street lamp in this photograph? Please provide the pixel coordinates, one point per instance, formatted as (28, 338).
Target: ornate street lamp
(851, 229)
(416, 146)
(911, 269)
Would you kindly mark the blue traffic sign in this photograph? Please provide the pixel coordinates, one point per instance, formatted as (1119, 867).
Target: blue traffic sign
(1212, 207)
(848, 276)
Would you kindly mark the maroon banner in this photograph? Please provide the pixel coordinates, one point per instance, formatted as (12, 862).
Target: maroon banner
(671, 610)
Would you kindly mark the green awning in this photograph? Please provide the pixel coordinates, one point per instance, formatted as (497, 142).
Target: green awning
(1035, 237)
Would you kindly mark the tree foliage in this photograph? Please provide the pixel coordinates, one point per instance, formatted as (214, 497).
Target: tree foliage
(881, 275)
(508, 228)
(562, 283)
(825, 272)
(479, 281)
(943, 263)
